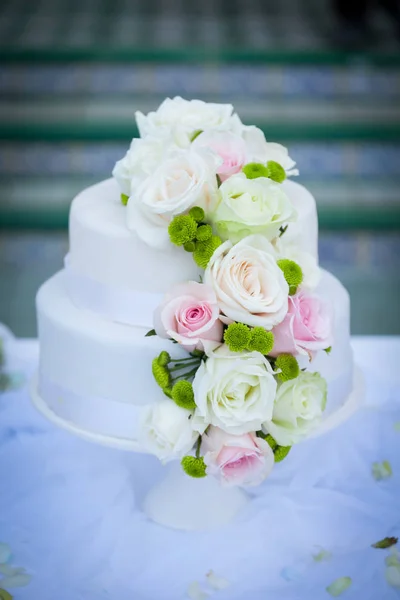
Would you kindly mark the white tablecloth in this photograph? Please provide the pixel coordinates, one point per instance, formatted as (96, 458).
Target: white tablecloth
(70, 511)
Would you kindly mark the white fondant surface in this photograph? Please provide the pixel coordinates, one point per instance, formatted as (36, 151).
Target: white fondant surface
(104, 250)
(105, 367)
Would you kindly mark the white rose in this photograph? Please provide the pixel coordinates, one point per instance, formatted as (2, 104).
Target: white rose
(259, 150)
(249, 285)
(298, 408)
(182, 118)
(141, 160)
(248, 206)
(234, 392)
(186, 178)
(166, 431)
(307, 262)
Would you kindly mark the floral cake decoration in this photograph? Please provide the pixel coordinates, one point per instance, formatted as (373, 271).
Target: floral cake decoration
(238, 399)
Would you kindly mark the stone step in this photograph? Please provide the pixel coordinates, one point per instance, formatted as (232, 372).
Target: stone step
(40, 202)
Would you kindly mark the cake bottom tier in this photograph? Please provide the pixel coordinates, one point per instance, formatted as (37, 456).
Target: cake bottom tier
(95, 375)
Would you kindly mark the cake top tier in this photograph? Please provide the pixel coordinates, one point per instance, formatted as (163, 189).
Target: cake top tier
(102, 248)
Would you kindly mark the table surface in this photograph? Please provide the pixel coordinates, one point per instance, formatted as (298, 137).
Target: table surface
(71, 525)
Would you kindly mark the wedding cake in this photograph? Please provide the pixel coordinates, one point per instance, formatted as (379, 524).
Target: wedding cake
(192, 320)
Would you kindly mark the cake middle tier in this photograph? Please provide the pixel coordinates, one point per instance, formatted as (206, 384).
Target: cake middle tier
(105, 253)
(96, 376)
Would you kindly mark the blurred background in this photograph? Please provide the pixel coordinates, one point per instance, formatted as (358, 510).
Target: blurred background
(320, 76)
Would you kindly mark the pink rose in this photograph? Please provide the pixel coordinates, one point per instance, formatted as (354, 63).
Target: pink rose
(190, 315)
(306, 328)
(230, 148)
(237, 459)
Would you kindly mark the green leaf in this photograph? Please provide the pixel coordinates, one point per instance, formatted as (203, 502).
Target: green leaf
(219, 180)
(282, 230)
(195, 134)
(387, 542)
(5, 595)
(328, 350)
(150, 333)
(124, 199)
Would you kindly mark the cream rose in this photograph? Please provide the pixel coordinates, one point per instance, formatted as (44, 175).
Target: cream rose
(182, 118)
(298, 408)
(236, 459)
(249, 285)
(248, 206)
(234, 392)
(184, 179)
(141, 160)
(166, 431)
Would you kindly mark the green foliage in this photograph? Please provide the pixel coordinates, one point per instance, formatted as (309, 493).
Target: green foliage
(183, 395)
(182, 229)
(194, 466)
(270, 441)
(387, 542)
(124, 199)
(288, 366)
(237, 337)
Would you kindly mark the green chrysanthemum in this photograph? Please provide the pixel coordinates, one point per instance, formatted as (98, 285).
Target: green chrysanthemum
(237, 337)
(124, 199)
(275, 171)
(183, 395)
(261, 340)
(193, 466)
(182, 229)
(197, 213)
(270, 441)
(281, 452)
(204, 233)
(292, 272)
(254, 170)
(288, 366)
(160, 374)
(205, 250)
(190, 246)
(164, 358)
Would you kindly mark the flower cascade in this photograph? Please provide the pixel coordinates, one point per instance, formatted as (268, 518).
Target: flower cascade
(241, 390)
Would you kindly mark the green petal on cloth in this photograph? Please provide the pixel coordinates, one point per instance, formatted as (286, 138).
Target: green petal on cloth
(339, 586)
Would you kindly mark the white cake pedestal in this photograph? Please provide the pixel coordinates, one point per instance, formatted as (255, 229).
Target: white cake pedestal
(182, 502)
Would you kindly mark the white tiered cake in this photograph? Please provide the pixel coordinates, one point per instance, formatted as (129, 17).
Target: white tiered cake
(95, 374)
(192, 320)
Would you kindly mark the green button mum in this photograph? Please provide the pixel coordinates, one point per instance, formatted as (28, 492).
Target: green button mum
(205, 250)
(288, 366)
(260, 340)
(193, 466)
(182, 229)
(254, 170)
(292, 273)
(275, 171)
(183, 395)
(237, 337)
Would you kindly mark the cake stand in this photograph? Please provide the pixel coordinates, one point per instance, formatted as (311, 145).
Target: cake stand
(179, 501)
